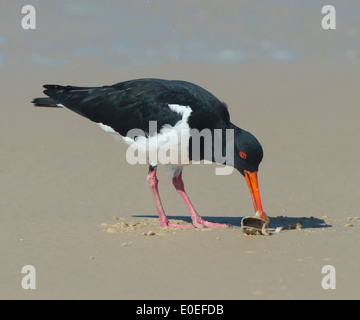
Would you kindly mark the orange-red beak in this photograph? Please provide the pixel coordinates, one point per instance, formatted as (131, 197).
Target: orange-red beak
(252, 181)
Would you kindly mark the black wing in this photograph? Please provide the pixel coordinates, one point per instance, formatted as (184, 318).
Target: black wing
(132, 104)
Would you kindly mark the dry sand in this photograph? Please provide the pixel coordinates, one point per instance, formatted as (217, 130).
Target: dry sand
(71, 206)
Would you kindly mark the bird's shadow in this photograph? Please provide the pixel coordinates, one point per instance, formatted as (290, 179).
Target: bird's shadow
(279, 221)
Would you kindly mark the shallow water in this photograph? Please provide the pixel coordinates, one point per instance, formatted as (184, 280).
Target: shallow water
(151, 33)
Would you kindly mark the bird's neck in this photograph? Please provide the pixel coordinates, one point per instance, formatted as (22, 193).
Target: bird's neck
(215, 145)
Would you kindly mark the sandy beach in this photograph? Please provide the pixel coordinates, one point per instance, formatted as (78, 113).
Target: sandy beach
(72, 207)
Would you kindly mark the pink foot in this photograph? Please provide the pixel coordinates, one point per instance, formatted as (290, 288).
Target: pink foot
(198, 222)
(203, 223)
(214, 224)
(174, 225)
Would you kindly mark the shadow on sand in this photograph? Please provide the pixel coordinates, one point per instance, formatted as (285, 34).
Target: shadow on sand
(279, 221)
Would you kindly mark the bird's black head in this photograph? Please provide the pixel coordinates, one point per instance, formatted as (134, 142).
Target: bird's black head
(248, 152)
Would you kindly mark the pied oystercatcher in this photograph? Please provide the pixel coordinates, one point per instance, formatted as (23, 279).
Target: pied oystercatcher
(174, 106)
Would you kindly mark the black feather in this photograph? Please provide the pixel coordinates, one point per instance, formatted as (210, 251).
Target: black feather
(45, 102)
(132, 104)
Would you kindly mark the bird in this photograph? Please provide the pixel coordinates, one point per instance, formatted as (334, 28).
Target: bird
(152, 115)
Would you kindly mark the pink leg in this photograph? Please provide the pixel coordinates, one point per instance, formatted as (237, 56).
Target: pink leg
(153, 182)
(196, 219)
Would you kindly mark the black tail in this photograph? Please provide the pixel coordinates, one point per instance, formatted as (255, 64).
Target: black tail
(46, 102)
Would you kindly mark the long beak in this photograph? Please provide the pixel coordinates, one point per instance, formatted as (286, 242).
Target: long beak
(252, 181)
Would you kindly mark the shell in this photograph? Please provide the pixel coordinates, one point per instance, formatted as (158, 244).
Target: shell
(254, 226)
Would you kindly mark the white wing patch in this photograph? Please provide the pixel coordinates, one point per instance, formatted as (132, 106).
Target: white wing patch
(106, 128)
(182, 110)
(170, 138)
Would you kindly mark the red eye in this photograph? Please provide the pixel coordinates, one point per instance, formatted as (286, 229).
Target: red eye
(242, 154)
